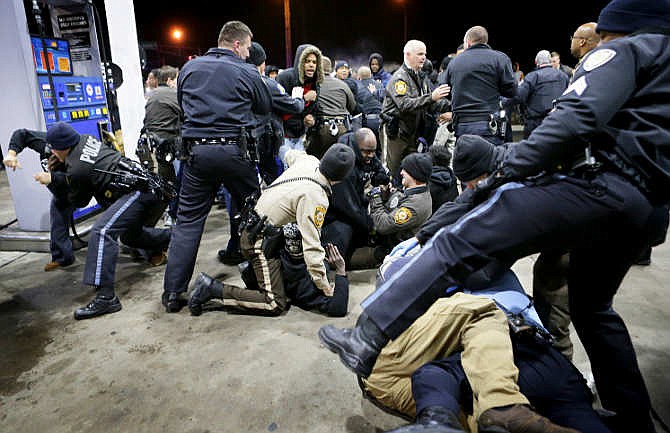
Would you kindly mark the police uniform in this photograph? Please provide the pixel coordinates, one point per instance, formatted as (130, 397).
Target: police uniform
(131, 211)
(60, 210)
(408, 96)
(604, 215)
(220, 96)
(537, 93)
(401, 215)
(478, 77)
(273, 137)
(303, 202)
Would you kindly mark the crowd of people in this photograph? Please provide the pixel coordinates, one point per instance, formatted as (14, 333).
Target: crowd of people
(414, 172)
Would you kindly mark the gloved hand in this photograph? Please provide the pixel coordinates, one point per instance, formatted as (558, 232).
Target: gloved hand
(486, 186)
(404, 247)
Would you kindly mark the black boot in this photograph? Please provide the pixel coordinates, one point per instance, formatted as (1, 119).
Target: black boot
(433, 419)
(173, 302)
(358, 347)
(97, 307)
(205, 288)
(439, 415)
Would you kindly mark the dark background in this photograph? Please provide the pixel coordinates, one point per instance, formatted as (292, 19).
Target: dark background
(351, 30)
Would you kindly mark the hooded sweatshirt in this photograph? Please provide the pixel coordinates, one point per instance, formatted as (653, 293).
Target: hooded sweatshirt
(295, 77)
(381, 75)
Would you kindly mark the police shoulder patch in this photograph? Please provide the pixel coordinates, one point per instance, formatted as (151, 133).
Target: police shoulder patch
(319, 216)
(400, 87)
(281, 88)
(402, 215)
(598, 58)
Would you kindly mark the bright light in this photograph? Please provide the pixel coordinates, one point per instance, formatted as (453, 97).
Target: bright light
(177, 34)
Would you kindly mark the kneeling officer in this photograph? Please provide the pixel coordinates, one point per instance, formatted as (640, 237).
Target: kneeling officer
(300, 195)
(133, 200)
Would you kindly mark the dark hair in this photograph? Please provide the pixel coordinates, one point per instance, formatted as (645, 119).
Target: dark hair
(441, 155)
(233, 31)
(166, 72)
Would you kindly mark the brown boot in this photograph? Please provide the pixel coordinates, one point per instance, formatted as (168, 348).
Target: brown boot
(517, 418)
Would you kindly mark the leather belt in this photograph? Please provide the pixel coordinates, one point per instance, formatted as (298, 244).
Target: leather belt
(464, 118)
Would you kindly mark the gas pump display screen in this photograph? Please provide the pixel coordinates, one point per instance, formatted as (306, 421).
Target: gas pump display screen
(57, 55)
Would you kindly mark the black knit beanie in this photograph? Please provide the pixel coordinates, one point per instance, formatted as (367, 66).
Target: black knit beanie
(256, 54)
(337, 162)
(62, 136)
(473, 156)
(627, 16)
(418, 165)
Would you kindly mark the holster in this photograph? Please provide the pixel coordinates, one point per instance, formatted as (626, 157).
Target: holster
(273, 241)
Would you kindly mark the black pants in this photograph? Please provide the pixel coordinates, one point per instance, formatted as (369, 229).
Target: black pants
(131, 217)
(209, 167)
(554, 387)
(60, 245)
(605, 223)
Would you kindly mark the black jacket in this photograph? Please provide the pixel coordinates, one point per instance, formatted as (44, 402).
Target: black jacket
(349, 203)
(303, 292)
(443, 186)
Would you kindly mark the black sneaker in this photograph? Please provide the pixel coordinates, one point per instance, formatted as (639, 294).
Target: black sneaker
(231, 258)
(97, 307)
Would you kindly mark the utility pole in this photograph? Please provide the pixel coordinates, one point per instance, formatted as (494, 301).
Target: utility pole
(287, 31)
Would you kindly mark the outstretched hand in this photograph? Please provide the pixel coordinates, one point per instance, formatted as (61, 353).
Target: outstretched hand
(335, 259)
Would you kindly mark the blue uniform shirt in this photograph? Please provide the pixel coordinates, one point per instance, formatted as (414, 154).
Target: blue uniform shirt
(219, 94)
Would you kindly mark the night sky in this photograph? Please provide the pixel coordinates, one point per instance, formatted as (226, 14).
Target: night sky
(345, 29)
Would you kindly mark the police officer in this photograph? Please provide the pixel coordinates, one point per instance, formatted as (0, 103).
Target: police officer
(130, 212)
(273, 130)
(399, 216)
(408, 96)
(539, 90)
(221, 96)
(478, 77)
(604, 203)
(300, 195)
(60, 211)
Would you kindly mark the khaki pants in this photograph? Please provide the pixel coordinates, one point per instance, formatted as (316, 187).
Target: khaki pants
(550, 291)
(462, 322)
(270, 298)
(321, 139)
(398, 148)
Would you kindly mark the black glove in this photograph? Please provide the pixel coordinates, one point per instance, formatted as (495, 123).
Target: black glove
(380, 178)
(486, 186)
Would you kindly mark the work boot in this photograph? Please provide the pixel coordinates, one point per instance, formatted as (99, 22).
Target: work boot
(53, 265)
(97, 307)
(359, 347)
(230, 258)
(517, 418)
(205, 288)
(173, 302)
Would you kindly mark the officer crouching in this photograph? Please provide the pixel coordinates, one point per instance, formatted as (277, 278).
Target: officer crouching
(300, 195)
(132, 206)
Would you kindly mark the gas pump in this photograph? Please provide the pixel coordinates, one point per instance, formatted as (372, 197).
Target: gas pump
(58, 69)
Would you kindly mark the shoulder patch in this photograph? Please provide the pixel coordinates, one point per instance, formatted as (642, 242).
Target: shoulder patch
(319, 216)
(598, 58)
(400, 87)
(281, 88)
(402, 215)
(393, 203)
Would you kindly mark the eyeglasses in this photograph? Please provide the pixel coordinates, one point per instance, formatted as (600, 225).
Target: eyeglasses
(576, 37)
